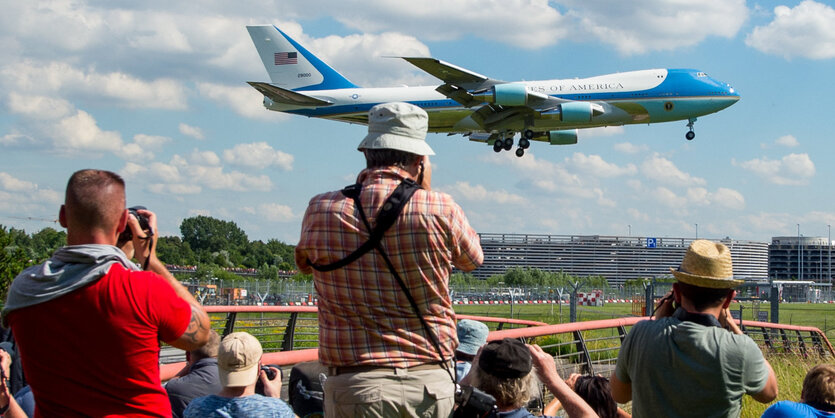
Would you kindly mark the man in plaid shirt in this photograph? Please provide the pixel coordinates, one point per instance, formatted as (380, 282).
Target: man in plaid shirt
(381, 360)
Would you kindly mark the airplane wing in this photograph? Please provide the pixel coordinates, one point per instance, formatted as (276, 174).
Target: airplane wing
(280, 95)
(473, 89)
(451, 74)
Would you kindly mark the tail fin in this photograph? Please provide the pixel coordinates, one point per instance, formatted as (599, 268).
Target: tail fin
(292, 67)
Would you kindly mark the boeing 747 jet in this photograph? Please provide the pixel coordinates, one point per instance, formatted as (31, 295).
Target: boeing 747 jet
(485, 109)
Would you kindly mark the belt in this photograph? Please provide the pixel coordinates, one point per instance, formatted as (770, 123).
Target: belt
(337, 370)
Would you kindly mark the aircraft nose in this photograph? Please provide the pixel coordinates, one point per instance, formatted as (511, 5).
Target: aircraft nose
(730, 91)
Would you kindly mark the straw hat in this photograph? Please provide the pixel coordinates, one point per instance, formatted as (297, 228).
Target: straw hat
(707, 264)
(398, 126)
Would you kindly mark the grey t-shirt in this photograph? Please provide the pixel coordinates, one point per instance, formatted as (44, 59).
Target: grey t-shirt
(684, 369)
(253, 406)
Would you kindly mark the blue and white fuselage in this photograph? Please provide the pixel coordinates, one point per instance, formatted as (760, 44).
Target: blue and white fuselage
(485, 109)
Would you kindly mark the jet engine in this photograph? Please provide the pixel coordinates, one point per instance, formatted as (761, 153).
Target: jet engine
(574, 112)
(568, 137)
(510, 94)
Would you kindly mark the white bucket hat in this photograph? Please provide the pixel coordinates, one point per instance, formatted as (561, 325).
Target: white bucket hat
(398, 126)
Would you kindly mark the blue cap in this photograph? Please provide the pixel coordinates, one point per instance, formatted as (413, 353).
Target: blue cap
(471, 336)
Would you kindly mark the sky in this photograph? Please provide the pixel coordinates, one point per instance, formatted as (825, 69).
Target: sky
(155, 91)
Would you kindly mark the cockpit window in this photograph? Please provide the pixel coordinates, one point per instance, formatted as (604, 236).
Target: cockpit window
(701, 74)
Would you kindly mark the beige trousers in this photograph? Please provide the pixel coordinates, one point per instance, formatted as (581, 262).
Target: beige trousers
(395, 393)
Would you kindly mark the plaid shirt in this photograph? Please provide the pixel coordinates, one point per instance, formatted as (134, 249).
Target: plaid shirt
(364, 317)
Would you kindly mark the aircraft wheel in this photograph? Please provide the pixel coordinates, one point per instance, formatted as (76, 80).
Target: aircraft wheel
(508, 146)
(528, 134)
(497, 146)
(520, 152)
(690, 135)
(524, 143)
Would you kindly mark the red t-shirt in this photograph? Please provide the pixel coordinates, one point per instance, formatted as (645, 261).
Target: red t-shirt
(95, 351)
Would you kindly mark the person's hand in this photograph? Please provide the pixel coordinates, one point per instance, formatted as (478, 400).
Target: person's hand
(727, 321)
(544, 363)
(272, 388)
(5, 364)
(664, 307)
(143, 245)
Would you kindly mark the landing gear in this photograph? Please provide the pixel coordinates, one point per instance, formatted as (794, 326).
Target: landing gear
(506, 143)
(690, 134)
(528, 134)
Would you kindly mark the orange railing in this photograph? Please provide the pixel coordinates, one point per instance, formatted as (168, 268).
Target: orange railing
(585, 347)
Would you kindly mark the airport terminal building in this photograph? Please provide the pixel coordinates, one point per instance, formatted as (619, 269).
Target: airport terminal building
(800, 258)
(616, 258)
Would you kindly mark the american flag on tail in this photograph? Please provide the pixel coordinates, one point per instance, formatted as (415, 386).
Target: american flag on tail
(284, 58)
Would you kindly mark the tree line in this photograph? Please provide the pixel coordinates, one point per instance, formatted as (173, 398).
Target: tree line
(214, 246)
(211, 244)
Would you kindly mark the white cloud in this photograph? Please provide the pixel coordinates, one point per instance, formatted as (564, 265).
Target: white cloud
(204, 158)
(150, 141)
(656, 24)
(174, 188)
(39, 107)
(594, 165)
(12, 184)
(245, 101)
(275, 212)
(121, 88)
(792, 169)
(478, 193)
(630, 148)
(668, 198)
(56, 125)
(662, 170)
(191, 131)
(787, 141)
(804, 31)
(190, 175)
(367, 59)
(80, 132)
(25, 198)
(729, 198)
(258, 155)
(495, 20)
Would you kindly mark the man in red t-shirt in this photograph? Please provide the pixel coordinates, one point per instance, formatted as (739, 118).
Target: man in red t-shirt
(88, 321)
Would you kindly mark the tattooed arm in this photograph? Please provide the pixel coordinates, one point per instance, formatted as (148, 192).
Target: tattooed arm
(197, 332)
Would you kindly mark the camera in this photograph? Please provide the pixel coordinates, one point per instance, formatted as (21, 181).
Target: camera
(270, 372)
(271, 375)
(127, 234)
(472, 402)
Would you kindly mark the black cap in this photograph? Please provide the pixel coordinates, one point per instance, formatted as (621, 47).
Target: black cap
(506, 359)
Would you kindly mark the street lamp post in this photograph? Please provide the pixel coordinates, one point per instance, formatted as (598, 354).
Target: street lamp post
(799, 251)
(697, 231)
(629, 227)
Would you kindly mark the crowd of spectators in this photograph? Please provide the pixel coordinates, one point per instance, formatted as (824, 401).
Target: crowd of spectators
(86, 325)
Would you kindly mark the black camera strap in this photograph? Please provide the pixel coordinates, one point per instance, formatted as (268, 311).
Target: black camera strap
(391, 209)
(385, 219)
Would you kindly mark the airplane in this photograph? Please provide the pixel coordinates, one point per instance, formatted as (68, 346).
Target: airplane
(485, 109)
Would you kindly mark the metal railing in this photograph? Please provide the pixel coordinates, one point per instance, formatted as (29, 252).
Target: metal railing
(288, 335)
